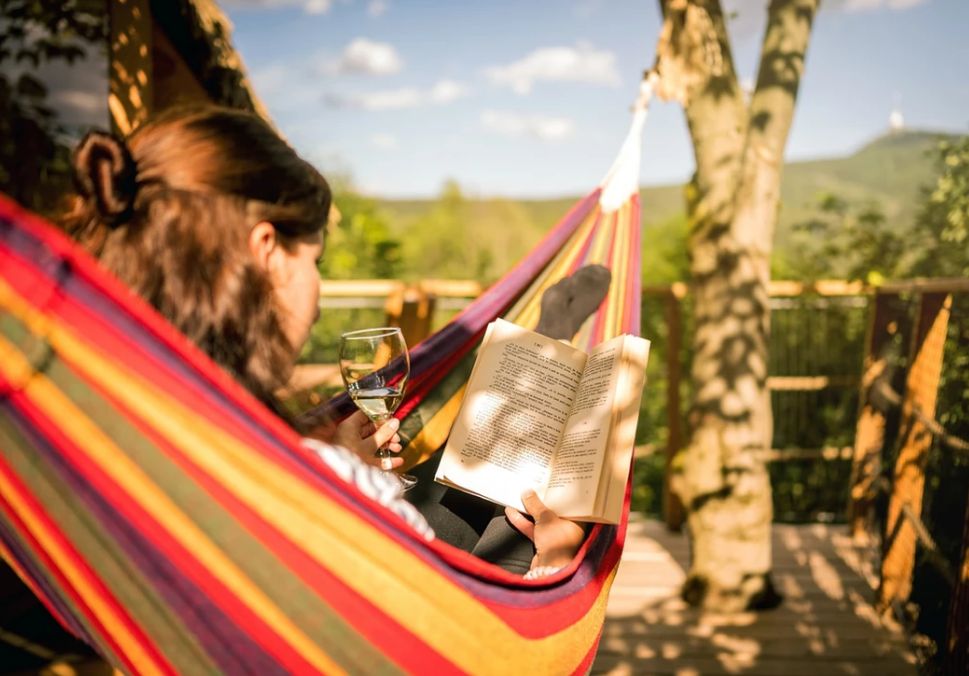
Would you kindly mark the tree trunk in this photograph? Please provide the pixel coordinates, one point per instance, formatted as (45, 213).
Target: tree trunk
(732, 205)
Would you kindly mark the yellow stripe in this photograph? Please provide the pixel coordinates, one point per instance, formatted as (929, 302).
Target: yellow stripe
(390, 576)
(101, 450)
(434, 432)
(129, 645)
(526, 311)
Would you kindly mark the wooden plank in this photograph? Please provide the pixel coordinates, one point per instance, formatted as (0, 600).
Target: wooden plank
(684, 665)
(821, 287)
(411, 308)
(938, 285)
(808, 383)
(956, 648)
(921, 391)
(826, 624)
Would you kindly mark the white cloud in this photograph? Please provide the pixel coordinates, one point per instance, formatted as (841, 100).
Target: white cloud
(309, 6)
(582, 63)
(384, 141)
(868, 5)
(377, 8)
(444, 92)
(87, 102)
(538, 126)
(367, 57)
(391, 99)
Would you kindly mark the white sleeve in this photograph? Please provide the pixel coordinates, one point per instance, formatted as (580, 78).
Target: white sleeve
(372, 482)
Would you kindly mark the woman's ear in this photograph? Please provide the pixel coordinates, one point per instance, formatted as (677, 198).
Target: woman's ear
(262, 243)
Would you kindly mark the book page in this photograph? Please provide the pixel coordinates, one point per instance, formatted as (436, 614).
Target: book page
(516, 405)
(575, 476)
(622, 437)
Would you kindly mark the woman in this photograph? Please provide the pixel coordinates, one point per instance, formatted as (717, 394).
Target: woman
(213, 219)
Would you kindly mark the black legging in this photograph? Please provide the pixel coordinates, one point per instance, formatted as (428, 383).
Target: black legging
(469, 522)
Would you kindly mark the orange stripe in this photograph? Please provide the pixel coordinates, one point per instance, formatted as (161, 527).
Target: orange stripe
(113, 624)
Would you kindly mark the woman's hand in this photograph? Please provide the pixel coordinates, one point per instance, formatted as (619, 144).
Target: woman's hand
(556, 539)
(363, 437)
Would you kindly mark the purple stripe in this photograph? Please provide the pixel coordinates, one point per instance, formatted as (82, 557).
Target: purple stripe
(40, 580)
(230, 647)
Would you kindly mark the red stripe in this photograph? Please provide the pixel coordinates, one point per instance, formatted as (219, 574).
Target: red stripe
(248, 622)
(559, 615)
(586, 665)
(80, 566)
(635, 279)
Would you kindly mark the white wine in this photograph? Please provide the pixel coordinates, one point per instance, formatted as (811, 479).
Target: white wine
(379, 403)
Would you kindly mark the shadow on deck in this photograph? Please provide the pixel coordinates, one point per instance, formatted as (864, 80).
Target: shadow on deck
(826, 625)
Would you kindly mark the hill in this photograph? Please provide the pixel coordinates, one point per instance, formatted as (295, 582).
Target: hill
(889, 171)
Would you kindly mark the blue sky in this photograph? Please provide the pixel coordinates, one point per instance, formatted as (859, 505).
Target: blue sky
(532, 98)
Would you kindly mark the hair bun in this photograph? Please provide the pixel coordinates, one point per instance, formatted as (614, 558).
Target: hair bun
(105, 173)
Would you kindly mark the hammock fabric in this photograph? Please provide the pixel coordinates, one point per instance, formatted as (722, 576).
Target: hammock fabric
(168, 519)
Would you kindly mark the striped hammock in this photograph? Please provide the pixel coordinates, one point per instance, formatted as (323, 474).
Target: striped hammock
(168, 519)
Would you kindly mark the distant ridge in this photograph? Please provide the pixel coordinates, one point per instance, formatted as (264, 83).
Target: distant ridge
(888, 170)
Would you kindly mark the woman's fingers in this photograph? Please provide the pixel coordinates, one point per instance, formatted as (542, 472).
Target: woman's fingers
(394, 462)
(360, 420)
(521, 522)
(386, 434)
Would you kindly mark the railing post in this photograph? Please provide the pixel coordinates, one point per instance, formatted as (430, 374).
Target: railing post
(411, 308)
(130, 85)
(908, 481)
(956, 649)
(672, 506)
(870, 429)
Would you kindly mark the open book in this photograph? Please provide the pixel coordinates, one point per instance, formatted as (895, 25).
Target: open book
(541, 414)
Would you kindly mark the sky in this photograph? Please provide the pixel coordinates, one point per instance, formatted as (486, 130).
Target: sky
(532, 98)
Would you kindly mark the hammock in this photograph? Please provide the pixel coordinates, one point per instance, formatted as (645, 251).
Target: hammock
(169, 520)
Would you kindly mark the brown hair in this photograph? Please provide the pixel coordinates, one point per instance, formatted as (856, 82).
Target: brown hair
(169, 213)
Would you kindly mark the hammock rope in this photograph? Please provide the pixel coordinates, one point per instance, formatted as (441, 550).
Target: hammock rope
(168, 519)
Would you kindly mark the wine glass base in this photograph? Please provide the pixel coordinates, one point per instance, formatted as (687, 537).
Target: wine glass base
(407, 481)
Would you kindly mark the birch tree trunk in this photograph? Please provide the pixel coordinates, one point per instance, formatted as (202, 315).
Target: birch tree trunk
(732, 205)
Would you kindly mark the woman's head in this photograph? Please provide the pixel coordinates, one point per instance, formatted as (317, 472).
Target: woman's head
(212, 218)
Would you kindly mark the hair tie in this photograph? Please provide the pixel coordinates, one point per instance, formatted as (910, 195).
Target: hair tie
(106, 173)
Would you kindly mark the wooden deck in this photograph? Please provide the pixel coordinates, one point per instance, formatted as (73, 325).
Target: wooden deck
(826, 625)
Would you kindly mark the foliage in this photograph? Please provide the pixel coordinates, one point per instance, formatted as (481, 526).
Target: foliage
(34, 155)
(443, 243)
(359, 242)
(665, 258)
(943, 221)
(359, 245)
(846, 241)
(855, 241)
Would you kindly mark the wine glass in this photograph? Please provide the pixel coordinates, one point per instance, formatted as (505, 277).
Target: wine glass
(375, 366)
